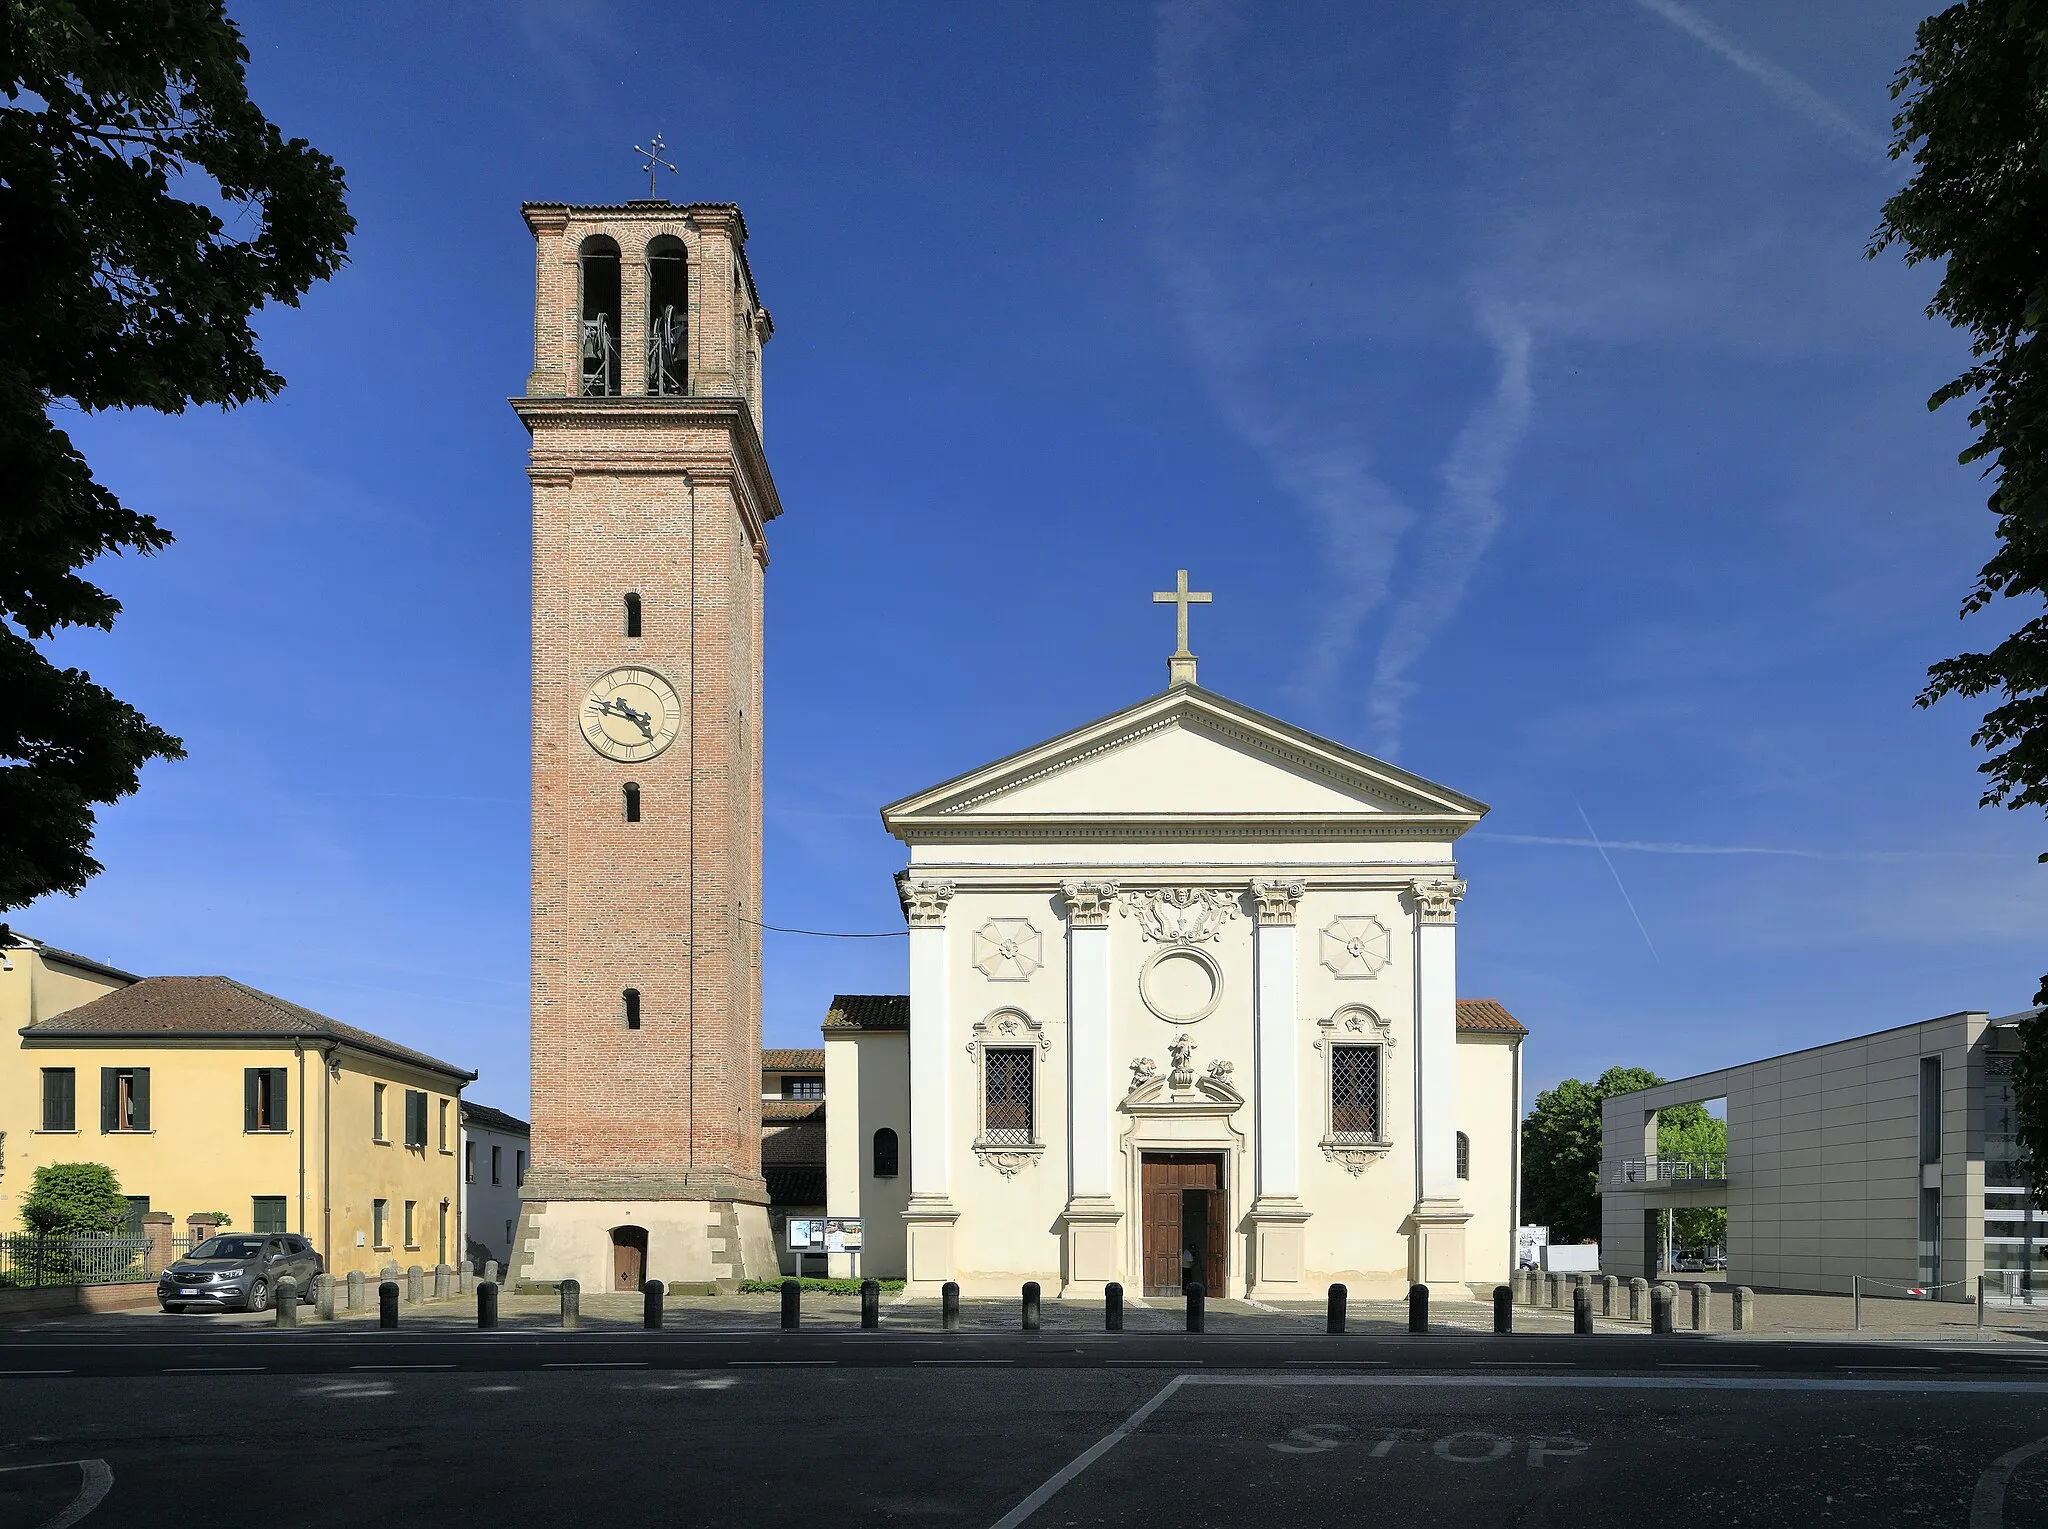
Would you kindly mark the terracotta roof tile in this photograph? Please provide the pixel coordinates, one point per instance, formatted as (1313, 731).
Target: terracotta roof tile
(1487, 1014)
(795, 1183)
(485, 1118)
(218, 1007)
(783, 1111)
(796, 1058)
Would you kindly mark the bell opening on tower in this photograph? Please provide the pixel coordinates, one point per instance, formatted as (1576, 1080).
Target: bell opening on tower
(668, 323)
(599, 262)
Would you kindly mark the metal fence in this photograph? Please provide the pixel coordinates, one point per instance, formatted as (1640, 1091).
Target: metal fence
(29, 1259)
(1665, 1170)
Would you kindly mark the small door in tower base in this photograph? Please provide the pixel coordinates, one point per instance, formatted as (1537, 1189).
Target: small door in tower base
(629, 1257)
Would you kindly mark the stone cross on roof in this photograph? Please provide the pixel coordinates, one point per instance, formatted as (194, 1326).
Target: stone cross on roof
(652, 154)
(1180, 668)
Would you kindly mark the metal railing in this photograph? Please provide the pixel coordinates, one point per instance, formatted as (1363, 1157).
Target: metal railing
(33, 1259)
(1665, 1170)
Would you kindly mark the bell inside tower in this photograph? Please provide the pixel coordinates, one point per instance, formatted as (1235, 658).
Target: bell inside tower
(668, 308)
(598, 259)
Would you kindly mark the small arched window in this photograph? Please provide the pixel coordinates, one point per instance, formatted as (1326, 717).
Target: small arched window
(885, 1154)
(632, 997)
(632, 615)
(632, 794)
(1464, 1156)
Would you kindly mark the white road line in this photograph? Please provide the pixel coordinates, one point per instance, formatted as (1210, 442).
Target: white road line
(775, 1364)
(1089, 1456)
(1347, 1362)
(1888, 1367)
(379, 1367)
(1541, 1364)
(1703, 1364)
(963, 1361)
(215, 1369)
(1987, 1503)
(1633, 1383)
(98, 1481)
(595, 1364)
(35, 1372)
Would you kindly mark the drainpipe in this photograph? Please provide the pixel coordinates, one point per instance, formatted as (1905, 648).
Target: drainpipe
(299, 1051)
(327, 1065)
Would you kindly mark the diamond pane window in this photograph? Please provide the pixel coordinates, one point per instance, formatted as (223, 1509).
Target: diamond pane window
(1355, 1093)
(1006, 1095)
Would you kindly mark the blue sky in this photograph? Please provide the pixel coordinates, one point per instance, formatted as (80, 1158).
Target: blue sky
(1512, 375)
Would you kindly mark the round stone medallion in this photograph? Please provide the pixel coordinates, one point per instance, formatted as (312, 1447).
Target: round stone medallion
(1181, 984)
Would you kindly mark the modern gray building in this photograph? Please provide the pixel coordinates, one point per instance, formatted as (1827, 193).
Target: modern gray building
(1889, 1155)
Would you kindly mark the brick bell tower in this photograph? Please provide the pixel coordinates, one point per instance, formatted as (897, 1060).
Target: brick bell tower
(651, 498)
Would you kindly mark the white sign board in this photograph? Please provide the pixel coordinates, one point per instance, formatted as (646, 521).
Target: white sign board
(842, 1234)
(1530, 1242)
(804, 1234)
(1572, 1258)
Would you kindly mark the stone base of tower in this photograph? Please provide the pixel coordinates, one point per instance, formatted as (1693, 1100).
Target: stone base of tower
(688, 1242)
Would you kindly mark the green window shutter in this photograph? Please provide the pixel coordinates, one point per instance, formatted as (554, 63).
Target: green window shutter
(110, 1093)
(251, 1119)
(280, 1115)
(142, 1098)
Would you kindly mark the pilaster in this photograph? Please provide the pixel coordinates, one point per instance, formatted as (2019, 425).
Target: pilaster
(1089, 1222)
(931, 1213)
(1277, 1215)
(1437, 1240)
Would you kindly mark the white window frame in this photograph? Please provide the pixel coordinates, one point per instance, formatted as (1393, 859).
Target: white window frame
(1354, 1025)
(1008, 1029)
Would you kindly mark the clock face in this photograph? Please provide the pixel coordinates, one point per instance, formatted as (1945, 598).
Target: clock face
(631, 714)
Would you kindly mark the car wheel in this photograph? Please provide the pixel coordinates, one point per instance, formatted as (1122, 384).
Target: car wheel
(259, 1296)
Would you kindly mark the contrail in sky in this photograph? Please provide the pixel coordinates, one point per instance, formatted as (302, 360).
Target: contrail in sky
(1790, 90)
(1617, 882)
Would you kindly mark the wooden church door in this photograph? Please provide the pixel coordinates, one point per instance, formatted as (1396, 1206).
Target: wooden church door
(629, 1257)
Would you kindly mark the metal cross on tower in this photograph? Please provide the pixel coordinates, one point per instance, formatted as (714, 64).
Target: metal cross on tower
(1180, 668)
(652, 154)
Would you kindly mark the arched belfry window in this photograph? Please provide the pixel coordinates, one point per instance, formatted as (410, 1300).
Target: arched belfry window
(1464, 1156)
(631, 792)
(632, 1003)
(598, 260)
(668, 316)
(886, 1154)
(632, 615)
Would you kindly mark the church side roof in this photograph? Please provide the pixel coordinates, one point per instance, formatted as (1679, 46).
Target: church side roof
(868, 1011)
(891, 1011)
(1486, 1014)
(216, 1008)
(793, 1058)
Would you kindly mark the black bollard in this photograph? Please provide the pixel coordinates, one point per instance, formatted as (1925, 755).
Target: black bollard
(1198, 1307)
(949, 1307)
(650, 1304)
(487, 1305)
(1418, 1308)
(1031, 1306)
(1582, 1311)
(1503, 1308)
(1340, 1298)
(870, 1305)
(1662, 1298)
(387, 1303)
(1112, 1307)
(792, 1305)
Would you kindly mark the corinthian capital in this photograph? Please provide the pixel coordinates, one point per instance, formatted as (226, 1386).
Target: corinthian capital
(1276, 900)
(1436, 901)
(924, 902)
(1088, 903)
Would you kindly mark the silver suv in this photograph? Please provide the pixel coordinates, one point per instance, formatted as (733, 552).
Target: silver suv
(238, 1271)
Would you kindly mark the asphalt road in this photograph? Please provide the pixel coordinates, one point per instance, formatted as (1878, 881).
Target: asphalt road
(983, 1429)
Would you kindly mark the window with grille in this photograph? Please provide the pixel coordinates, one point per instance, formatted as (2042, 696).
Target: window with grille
(1464, 1156)
(803, 1087)
(1355, 1093)
(886, 1153)
(1006, 1095)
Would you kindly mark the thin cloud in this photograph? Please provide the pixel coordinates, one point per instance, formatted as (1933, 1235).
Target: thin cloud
(1457, 536)
(1791, 91)
(1656, 847)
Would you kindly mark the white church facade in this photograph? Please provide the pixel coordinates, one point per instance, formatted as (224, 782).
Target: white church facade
(1182, 1006)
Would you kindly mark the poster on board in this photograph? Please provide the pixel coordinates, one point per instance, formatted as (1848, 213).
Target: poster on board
(842, 1234)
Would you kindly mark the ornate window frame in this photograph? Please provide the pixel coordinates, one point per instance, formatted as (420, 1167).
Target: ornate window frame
(1008, 1028)
(1353, 1025)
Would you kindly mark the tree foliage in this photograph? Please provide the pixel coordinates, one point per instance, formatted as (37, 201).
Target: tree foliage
(1561, 1153)
(1974, 123)
(126, 131)
(74, 1200)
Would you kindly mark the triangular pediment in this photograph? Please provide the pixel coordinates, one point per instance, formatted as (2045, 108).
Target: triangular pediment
(1185, 759)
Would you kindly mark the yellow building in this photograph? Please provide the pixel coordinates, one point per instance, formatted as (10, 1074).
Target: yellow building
(206, 1095)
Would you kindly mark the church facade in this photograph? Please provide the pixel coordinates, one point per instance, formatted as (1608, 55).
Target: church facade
(1182, 1006)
